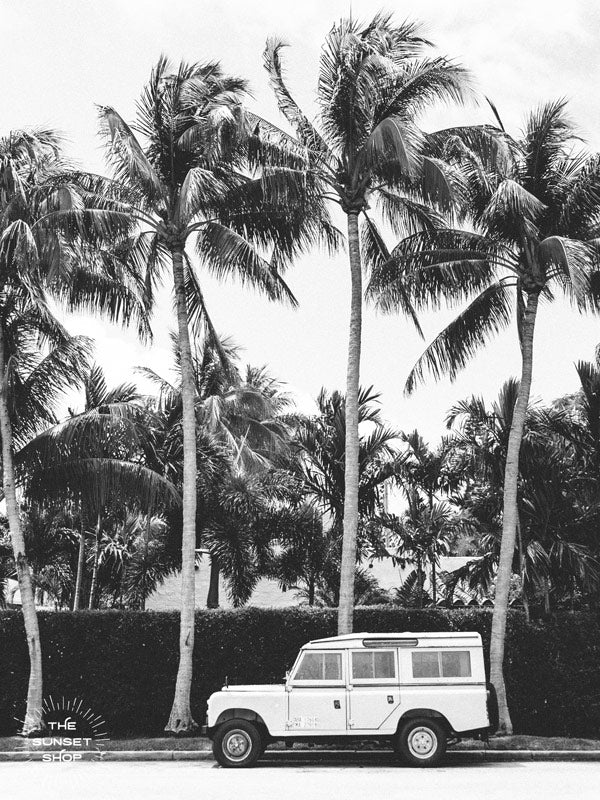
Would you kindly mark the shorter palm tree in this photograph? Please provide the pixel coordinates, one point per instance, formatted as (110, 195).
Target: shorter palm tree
(94, 460)
(320, 442)
(421, 535)
(245, 416)
(554, 554)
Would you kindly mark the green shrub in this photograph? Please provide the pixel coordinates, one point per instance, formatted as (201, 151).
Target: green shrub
(123, 663)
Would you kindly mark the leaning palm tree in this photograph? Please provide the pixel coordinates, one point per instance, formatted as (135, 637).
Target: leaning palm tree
(535, 204)
(37, 258)
(200, 173)
(374, 83)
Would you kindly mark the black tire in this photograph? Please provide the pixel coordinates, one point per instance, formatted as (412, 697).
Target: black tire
(421, 742)
(237, 744)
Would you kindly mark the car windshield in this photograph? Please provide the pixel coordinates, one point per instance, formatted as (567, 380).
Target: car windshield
(326, 666)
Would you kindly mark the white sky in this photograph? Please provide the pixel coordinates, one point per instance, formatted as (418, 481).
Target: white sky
(60, 57)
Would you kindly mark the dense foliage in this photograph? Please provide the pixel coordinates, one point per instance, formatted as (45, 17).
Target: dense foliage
(123, 663)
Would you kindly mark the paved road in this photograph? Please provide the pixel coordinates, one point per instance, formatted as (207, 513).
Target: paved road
(279, 780)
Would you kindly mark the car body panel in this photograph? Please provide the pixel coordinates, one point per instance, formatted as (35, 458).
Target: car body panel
(357, 701)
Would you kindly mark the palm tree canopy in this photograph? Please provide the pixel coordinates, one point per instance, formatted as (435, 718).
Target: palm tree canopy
(196, 165)
(535, 206)
(374, 82)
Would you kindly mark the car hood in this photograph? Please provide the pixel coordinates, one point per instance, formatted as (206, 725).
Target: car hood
(269, 687)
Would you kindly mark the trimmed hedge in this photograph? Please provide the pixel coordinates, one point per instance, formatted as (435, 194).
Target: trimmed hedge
(123, 663)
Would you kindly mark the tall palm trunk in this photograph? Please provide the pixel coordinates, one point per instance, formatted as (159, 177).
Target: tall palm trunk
(33, 713)
(181, 720)
(510, 516)
(80, 569)
(351, 476)
(212, 599)
(311, 589)
(94, 585)
(145, 567)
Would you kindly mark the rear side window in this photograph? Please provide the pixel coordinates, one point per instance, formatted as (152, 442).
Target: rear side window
(320, 667)
(441, 664)
(456, 664)
(373, 665)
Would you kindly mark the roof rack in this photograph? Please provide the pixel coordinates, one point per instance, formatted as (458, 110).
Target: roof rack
(395, 641)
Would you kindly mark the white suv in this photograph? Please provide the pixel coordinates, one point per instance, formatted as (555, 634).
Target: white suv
(418, 691)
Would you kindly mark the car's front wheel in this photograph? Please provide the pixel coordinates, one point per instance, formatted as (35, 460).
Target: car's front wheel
(237, 743)
(422, 742)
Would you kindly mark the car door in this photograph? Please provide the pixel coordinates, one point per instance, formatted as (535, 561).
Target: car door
(317, 693)
(373, 691)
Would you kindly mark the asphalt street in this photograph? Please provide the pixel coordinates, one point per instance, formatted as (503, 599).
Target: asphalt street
(292, 781)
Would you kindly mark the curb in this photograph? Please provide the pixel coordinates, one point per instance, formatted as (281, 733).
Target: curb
(317, 758)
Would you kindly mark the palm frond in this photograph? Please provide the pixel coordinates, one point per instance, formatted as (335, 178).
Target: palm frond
(375, 256)
(490, 312)
(306, 132)
(227, 253)
(128, 157)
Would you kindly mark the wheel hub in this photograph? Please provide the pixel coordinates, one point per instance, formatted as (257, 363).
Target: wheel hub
(237, 745)
(422, 742)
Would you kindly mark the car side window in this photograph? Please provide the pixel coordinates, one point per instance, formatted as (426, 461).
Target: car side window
(373, 665)
(441, 664)
(324, 666)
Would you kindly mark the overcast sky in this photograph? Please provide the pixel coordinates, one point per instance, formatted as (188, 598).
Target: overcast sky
(60, 57)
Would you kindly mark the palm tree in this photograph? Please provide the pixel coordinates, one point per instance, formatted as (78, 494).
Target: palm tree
(426, 475)
(558, 501)
(36, 257)
(374, 83)
(320, 443)
(422, 534)
(98, 397)
(243, 415)
(535, 204)
(187, 182)
(93, 459)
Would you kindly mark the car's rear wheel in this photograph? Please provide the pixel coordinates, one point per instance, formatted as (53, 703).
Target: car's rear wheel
(422, 742)
(237, 743)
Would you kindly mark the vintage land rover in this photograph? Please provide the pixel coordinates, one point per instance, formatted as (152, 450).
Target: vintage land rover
(417, 691)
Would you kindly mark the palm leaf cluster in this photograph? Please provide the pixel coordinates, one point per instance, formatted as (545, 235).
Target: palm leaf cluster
(530, 207)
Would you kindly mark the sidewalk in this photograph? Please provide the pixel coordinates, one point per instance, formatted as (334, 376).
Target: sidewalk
(512, 748)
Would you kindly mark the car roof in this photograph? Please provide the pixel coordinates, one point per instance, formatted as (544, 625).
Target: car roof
(408, 638)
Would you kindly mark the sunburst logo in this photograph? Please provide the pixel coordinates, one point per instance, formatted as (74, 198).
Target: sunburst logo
(72, 732)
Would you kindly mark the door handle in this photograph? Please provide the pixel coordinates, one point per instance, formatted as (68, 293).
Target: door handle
(336, 704)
